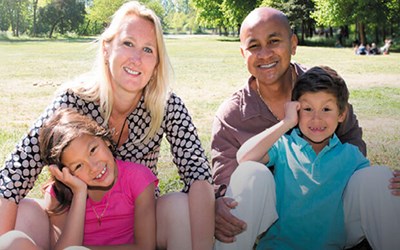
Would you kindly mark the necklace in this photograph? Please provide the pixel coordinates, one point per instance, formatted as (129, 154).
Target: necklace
(121, 131)
(293, 75)
(99, 217)
(265, 102)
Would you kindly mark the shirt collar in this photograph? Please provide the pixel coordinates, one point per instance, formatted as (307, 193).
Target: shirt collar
(299, 140)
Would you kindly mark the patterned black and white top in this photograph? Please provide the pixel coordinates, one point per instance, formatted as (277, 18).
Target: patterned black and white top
(24, 164)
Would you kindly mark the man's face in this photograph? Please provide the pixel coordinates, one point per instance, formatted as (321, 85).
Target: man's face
(267, 45)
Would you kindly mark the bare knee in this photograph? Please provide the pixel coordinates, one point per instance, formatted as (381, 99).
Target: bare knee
(17, 240)
(32, 219)
(173, 221)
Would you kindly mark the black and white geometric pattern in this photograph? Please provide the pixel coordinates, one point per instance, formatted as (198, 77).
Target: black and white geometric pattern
(23, 166)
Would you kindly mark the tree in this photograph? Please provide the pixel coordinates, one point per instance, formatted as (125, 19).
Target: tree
(14, 14)
(366, 14)
(66, 15)
(35, 6)
(298, 13)
(209, 13)
(102, 10)
(236, 10)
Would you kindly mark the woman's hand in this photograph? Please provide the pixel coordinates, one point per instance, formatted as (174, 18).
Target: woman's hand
(65, 176)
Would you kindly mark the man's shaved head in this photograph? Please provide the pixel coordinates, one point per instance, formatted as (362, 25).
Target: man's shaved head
(262, 15)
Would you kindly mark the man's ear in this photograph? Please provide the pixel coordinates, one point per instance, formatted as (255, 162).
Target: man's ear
(242, 51)
(343, 115)
(294, 41)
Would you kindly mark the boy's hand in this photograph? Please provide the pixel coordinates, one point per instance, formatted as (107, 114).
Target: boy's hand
(73, 182)
(395, 183)
(291, 113)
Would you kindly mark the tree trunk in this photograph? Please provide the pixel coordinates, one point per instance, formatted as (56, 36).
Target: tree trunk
(34, 31)
(376, 34)
(52, 29)
(361, 31)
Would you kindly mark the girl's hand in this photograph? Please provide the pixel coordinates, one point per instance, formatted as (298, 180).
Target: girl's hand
(65, 176)
(395, 183)
(291, 113)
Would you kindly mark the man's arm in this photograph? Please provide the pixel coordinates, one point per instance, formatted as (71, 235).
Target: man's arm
(349, 131)
(224, 147)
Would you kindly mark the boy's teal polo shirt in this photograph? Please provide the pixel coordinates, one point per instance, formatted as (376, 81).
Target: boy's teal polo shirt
(309, 190)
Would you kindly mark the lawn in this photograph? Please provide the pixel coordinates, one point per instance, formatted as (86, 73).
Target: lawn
(207, 70)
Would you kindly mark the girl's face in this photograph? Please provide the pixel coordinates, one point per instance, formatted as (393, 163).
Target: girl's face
(132, 55)
(89, 158)
(319, 117)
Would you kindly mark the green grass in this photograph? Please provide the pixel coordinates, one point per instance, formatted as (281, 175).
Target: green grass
(208, 69)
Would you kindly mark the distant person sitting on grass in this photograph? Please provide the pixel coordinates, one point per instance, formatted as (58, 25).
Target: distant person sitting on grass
(385, 48)
(315, 208)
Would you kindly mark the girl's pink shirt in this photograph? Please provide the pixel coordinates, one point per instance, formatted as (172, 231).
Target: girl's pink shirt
(117, 223)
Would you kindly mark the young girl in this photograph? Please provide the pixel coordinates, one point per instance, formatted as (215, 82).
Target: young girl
(95, 200)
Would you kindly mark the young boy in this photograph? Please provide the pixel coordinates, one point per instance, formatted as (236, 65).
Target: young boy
(312, 170)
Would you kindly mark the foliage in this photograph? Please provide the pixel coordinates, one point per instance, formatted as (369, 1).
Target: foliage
(375, 14)
(66, 15)
(370, 20)
(14, 13)
(101, 11)
(298, 13)
(209, 13)
(181, 17)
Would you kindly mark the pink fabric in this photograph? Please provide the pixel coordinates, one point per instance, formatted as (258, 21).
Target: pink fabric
(117, 224)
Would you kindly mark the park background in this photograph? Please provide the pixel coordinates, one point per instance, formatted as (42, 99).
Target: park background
(201, 38)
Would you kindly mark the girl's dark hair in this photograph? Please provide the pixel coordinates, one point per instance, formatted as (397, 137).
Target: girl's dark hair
(322, 78)
(55, 135)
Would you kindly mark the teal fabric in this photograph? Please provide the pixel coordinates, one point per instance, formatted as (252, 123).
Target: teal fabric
(309, 189)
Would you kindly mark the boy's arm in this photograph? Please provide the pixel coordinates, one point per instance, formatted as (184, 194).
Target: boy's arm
(256, 148)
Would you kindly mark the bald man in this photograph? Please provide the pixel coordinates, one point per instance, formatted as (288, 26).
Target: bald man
(247, 208)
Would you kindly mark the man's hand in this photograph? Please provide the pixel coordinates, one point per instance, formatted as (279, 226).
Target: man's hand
(227, 226)
(395, 183)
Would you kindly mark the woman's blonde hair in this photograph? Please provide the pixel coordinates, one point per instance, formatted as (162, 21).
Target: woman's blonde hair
(98, 88)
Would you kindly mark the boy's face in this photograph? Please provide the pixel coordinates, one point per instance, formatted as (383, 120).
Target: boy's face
(319, 117)
(89, 158)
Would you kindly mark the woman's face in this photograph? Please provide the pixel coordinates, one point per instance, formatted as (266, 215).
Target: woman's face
(132, 55)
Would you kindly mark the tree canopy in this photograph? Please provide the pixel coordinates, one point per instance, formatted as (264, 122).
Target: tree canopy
(369, 20)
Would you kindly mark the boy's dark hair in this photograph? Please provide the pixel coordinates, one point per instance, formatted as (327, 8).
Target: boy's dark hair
(56, 134)
(322, 78)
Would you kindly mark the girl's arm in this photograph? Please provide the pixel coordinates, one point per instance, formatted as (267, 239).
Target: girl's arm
(145, 223)
(256, 148)
(67, 228)
(145, 219)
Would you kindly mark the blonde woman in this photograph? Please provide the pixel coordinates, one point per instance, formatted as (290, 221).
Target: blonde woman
(127, 92)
